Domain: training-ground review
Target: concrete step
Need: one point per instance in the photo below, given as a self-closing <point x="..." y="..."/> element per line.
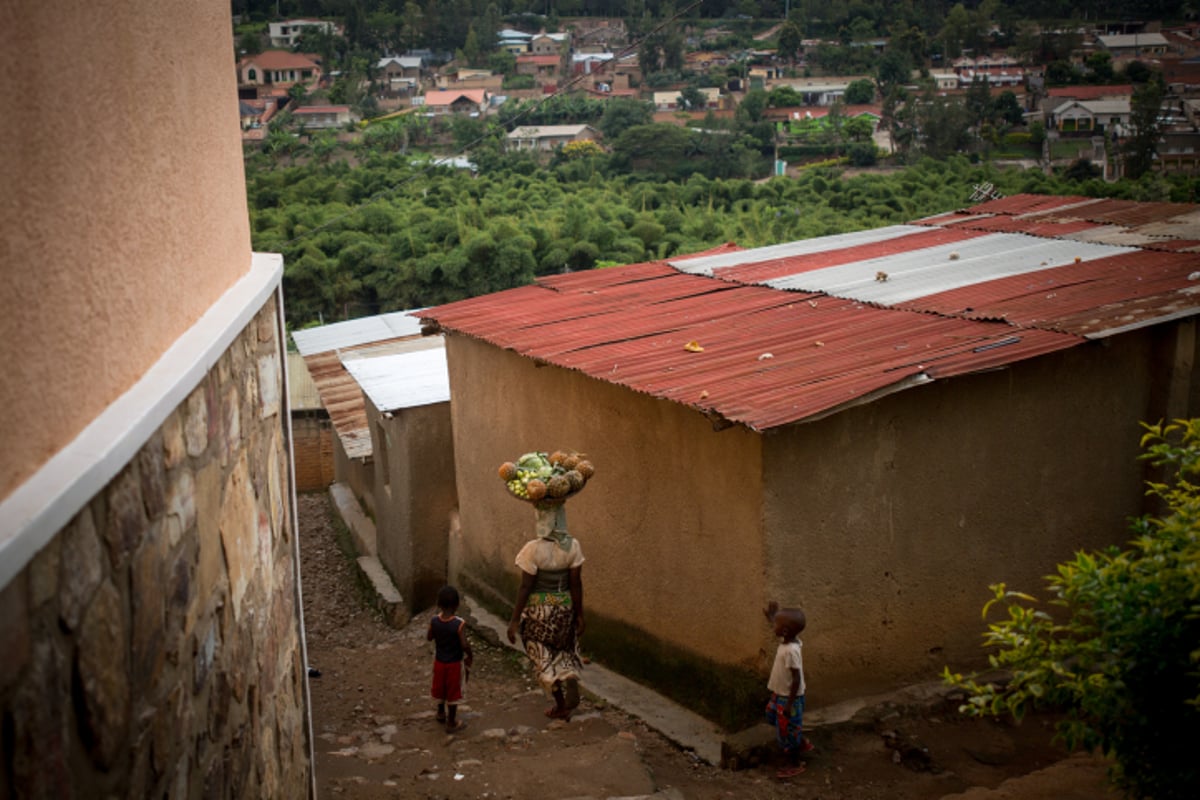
<point x="362" y="529"/>
<point x="385" y="595"/>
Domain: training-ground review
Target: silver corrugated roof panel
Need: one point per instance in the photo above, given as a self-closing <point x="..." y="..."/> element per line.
<point x="353" y="332"/>
<point x="902" y="277"/>
<point x="705" y="265"/>
<point x="403" y="380"/>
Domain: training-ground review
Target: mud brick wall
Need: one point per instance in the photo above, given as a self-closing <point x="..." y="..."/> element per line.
<point x="153" y="647"/>
<point x="312" y="440"/>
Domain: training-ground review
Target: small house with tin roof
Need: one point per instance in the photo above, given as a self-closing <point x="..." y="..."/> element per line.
<point x="386" y="390"/>
<point x="547" y="138"/>
<point x="874" y="426"/>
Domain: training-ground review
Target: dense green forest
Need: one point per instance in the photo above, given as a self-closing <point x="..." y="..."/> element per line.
<point x="389" y="234"/>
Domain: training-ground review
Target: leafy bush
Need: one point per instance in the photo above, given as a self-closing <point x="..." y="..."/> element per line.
<point x="515" y="82"/>
<point x="862" y="154"/>
<point x="1121" y="657"/>
<point x="805" y="150"/>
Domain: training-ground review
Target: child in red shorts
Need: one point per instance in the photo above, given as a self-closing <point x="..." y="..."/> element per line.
<point x="448" y="632"/>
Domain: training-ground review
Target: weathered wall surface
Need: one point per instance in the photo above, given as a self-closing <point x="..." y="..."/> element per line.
<point x="670" y="525"/>
<point x="101" y="270"/>
<point x="887" y="522"/>
<point x="416" y="497"/>
<point x="153" y="648"/>
<point x="357" y="473"/>
<point x="312" y="438"/>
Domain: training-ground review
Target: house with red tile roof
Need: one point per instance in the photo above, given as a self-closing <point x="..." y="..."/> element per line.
<point x="454" y="101"/>
<point x="277" y="68"/>
<point x="543" y="69"/>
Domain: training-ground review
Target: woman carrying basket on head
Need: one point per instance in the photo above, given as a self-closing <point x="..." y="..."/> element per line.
<point x="548" y="613"/>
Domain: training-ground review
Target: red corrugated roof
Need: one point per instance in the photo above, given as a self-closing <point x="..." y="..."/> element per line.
<point x="1088" y="299"/>
<point x="279" y="59"/>
<point x="530" y="58"/>
<point x="768" y="358"/>
<point x="1091" y="92"/>
<point x="844" y="331"/>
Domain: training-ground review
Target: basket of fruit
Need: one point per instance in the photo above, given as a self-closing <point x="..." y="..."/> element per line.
<point x="546" y="479"/>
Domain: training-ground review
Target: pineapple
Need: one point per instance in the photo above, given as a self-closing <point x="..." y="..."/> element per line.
<point x="558" y="486"/>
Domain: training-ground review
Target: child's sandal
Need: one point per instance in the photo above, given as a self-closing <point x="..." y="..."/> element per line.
<point x="790" y="772"/>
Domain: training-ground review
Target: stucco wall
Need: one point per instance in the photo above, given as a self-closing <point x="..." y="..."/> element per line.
<point x="153" y="647"/>
<point x="357" y="473"/>
<point x="670" y="525"/>
<point x="105" y="107"/>
<point x="887" y="522"/>
<point x="413" y="524"/>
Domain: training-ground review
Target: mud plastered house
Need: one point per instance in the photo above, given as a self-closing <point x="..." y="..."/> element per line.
<point x="874" y="426"/>
<point x="149" y="588"/>
<point x="388" y="396"/>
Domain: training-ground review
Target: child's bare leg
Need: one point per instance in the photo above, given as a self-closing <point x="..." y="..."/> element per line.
<point x="452" y="723"/>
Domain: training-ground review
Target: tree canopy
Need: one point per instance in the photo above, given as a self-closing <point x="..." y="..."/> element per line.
<point x="394" y="232"/>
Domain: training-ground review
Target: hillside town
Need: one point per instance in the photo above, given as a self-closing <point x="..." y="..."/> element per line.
<point x="762" y="399"/>
<point x="1079" y="107"/>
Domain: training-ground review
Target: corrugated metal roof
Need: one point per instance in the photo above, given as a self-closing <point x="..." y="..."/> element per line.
<point x="325" y="349"/>
<point x="365" y="330"/>
<point x="797" y="331"/>
<point x="302" y="392"/>
<point x="402" y="380"/>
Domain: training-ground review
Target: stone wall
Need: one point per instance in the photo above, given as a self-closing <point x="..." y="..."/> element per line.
<point x="153" y="647"/>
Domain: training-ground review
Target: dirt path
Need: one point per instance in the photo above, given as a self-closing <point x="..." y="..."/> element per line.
<point x="376" y="736"/>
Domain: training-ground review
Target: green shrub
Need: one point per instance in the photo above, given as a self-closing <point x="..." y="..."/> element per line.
<point x="862" y="154"/>
<point x="513" y="82"/>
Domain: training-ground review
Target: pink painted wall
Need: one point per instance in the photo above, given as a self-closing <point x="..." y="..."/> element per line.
<point x="106" y="256"/>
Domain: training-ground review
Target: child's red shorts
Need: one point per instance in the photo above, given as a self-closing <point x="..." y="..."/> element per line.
<point x="447" y="681"/>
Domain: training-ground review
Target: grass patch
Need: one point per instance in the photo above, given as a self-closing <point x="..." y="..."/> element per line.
<point x="1071" y="148"/>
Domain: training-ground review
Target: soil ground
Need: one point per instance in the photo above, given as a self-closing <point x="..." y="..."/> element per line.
<point x="376" y="737"/>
